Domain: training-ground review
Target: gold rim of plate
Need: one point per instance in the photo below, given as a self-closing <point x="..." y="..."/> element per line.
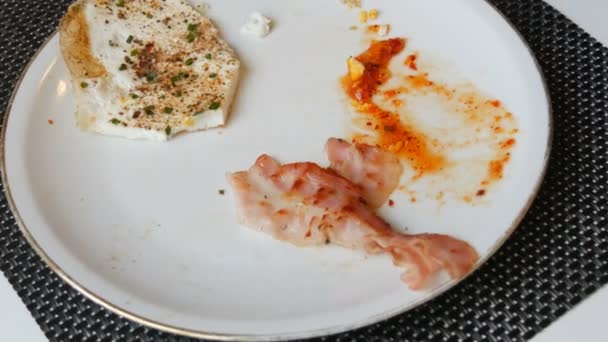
<point x="97" y="298"/>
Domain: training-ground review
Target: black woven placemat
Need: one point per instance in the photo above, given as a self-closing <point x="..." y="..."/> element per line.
<point x="557" y="257"/>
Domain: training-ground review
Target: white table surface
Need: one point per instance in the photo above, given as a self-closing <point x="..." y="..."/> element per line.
<point x="583" y="323"/>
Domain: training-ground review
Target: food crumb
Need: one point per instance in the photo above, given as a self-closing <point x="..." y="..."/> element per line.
<point x="481" y="192"/>
<point x="221" y="192"/>
<point x="362" y="17"/>
<point x="381" y="30"/>
<point x="413" y="199"/>
<point x="353" y="28"/>
<point x="372" y="14"/>
<point x="352" y="3"/>
<point x="410" y="61"/>
<point x="391" y="203"/>
<point x="50" y="121"/>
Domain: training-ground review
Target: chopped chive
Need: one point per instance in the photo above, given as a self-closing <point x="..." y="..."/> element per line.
<point x="115" y="121"/>
<point x="192" y="27"/>
<point x="177" y="78"/>
<point x="208" y="56"/>
<point x="122" y="67"/>
<point x="168" y="110"/>
<point x="149" y="110"/>
<point x="112" y="43"/>
<point x="150" y="16"/>
<point x="84" y="85"/>
<point x="178" y="93"/>
<point x="213" y="75"/>
<point x="168" y="130"/>
<point x="134" y="96"/>
<point x="151" y="76"/>
<point x="130" y="39"/>
<point x="120" y="3"/>
<point x="134" y="52"/>
<point x="162" y="97"/>
<point x="189" y="61"/>
<point x="190" y="37"/>
<point x="214" y="105"/>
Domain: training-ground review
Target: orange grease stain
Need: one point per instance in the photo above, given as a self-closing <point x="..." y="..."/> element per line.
<point x="391" y="133"/>
<point x="394" y="134"/>
<point x="495" y="103"/>
<point x="476" y="108"/>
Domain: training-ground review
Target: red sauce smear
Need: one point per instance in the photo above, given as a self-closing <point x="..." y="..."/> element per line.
<point x="411" y="63"/>
<point x="392" y="134"/>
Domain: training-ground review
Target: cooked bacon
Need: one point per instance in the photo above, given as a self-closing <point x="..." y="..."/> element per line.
<point x="376" y="171"/>
<point x="305" y="205"/>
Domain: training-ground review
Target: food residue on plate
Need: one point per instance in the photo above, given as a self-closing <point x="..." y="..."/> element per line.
<point x="352" y="3"/>
<point x="453" y="138"/>
<point x="381" y="30"/>
<point x="256" y="25"/>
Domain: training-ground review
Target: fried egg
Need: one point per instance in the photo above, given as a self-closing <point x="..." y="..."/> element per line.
<point x="147" y="69"/>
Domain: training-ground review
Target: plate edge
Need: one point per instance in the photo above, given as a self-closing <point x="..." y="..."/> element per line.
<point x="272" y="337"/>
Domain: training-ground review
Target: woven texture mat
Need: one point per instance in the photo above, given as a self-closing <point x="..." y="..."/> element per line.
<point x="557" y="257"/>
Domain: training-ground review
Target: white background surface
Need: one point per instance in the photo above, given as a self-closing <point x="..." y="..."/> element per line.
<point x="584" y="323"/>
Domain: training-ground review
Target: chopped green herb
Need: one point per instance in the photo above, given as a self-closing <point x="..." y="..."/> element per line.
<point x="112" y="44"/>
<point x="178" y="93"/>
<point x="168" y="110"/>
<point x="192" y="27"/>
<point x="134" y="52"/>
<point x="130" y="39"/>
<point x="189" y="61"/>
<point x="213" y="75"/>
<point x="120" y="3"/>
<point x="151" y="76"/>
<point x="134" y="96"/>
<point x="84" y="85"/>
<point x="168" y="130"/>
<point x="122" y="67"/>
<point x="221" y="191"/>
<point x="162" y="97"/>
<point x="150" y="16"/>
<point x="177" y="78"/>
<point x="149" y="110"/>
<point x="190" y="37"/>
<point x="208" y="56"/>
<point x="214" y="105"/>
<point x="115" y="121"/>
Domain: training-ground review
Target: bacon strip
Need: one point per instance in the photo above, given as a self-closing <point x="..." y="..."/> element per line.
<point x="376" y="171"/>
<point x="304" y="204"/>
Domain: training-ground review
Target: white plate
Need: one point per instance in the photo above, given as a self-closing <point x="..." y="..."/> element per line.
<point x="141" y="229"/>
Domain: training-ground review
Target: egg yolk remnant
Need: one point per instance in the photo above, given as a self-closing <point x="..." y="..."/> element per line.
<point x="369" y="71"/>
